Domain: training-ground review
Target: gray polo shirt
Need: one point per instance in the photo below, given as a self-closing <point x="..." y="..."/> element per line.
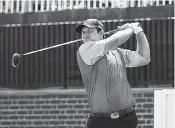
<point x="104" y="76"/>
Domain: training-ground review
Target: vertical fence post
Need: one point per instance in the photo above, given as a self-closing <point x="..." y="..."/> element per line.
<point x="47" y="5"/>
<point x="88" y="4"/>
<point x="52" y="5"/>
<point x="157" y="2"/>
<point x="30" y="6"/>
<point x="100" y="3"/>
<point x="144" y="3"/>
<point x="139" y="3"/>
<point x="94" y="4"/>
<point x="151" y="2"/>
<point x="23" y="6"/>
<point x="42" y="5"/>
<point x="70" y="4"/>
<point x="17" y="6"/>
<point x="12" y="6"/>
<point x="64" y="4"/>
<point x="1" y="6"/>
<point x="6" y="6"/>
<point x="36" y="5"/>
<point x="106" y="4"/>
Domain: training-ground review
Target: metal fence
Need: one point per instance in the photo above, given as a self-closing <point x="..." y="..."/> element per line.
<point x="22" y="6"/>
<point x="58" y="67"/>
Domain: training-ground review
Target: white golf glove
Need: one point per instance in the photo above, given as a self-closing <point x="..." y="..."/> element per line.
<point x="135" y="26"/>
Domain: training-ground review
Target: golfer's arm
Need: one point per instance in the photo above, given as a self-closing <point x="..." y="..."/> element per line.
<point x="117" y="39"/>
<point x="143" y="47"/>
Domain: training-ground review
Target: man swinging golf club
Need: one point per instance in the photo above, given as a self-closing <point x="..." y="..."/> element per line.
<point x="103" y="68"/>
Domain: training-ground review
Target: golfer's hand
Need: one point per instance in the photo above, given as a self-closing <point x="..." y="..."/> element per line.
<point x="123" y="27"/>
<point x="136" y="27"/>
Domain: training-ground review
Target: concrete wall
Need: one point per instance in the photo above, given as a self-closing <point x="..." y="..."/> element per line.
<point x="60" y="108"/>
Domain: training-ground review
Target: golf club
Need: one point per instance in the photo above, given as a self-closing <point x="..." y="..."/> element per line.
<point x="16" y="56"/>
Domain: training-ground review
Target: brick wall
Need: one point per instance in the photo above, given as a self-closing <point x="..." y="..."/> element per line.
<point x="60" y="108"/>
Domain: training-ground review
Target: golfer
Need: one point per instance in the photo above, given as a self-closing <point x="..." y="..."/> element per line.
<point x="103" y="68"/>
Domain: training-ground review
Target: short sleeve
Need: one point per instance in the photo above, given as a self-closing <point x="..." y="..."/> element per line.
<point x="91" y="52"/>
<point x="128" y="56"/>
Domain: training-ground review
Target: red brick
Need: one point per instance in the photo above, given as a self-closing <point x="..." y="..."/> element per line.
<point x="148" y="106"/>
<point x="52" y="122"/>
<point x="22" y="123"/>
<point x="149" y="100"/>
<point x="62" y="106"/>
<point x="140" y="100"/>
<point x="14" y="117"/>
<point x="39" y="102"/>
<point x="14" y="107"/>
<point x="37" y="106"/>
<point x="72" y="101"/>
<point x="22" y="102"/>
<point x="140" y="110"/>
<point x="70" y="122"/>
<point x="5" y="122"/>
<point x="22" y="107"/>
<point x="63" y="96"/>
<point x="79" y="117"/>
<point x="71" y="117"/>
<point x="149" y="110"/>
<point x="5" y="102"/>
<point x="138" y="105"/>
<point x="149" y="126"/>
<point x="46" y="117"/>
<point x="139" y="94"/>
<point x="139" y="126"/>
<point x="80" y="101"/>
<point x="62" y="117"/>
<point x="30" y="97"/>
<point x="33" y="117"/>
<point x="12" y="97"/>
<point x="53" y="106"/>
<point x="71" y="111"/>
<point x="79" y="106"/>
<point x="8" y="112"/>
<point x="38" y="122"/>
<point x="21" y="117"/>
<point x="30" y="107"/>
<point x="55" y="101"/>
<point x="22" y="112"/>
<point x="86" y="111"/>
<point x="148" y="116"/>
<point x="38" y="112"/>
<point x="141" y="121"/>
<point x="46" y="96"/>
<point x="148" y="95"/>
<point x="54" y="112"/>
<point x="3" y="107"/>
<point x="46" y="107"/>
<point x="149" y="121"/>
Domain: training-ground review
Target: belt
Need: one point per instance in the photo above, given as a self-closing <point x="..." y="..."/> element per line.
<point x="114" y="115"/>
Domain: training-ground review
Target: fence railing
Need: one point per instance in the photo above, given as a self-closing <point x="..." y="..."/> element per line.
<point x="22" y="6"/>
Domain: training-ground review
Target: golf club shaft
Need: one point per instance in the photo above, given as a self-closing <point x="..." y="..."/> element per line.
<point x="70" y="42"/>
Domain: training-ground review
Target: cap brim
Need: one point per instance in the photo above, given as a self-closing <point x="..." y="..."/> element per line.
<point x="81" y="26"/>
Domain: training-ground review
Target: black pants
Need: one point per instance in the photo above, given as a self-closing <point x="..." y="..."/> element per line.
<point x="129" y="120"/>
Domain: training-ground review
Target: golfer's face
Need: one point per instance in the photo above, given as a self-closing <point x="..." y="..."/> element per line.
<point x="90" y="33"/>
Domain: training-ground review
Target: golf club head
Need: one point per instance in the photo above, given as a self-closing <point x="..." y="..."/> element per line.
<point x="16" y="60"/>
